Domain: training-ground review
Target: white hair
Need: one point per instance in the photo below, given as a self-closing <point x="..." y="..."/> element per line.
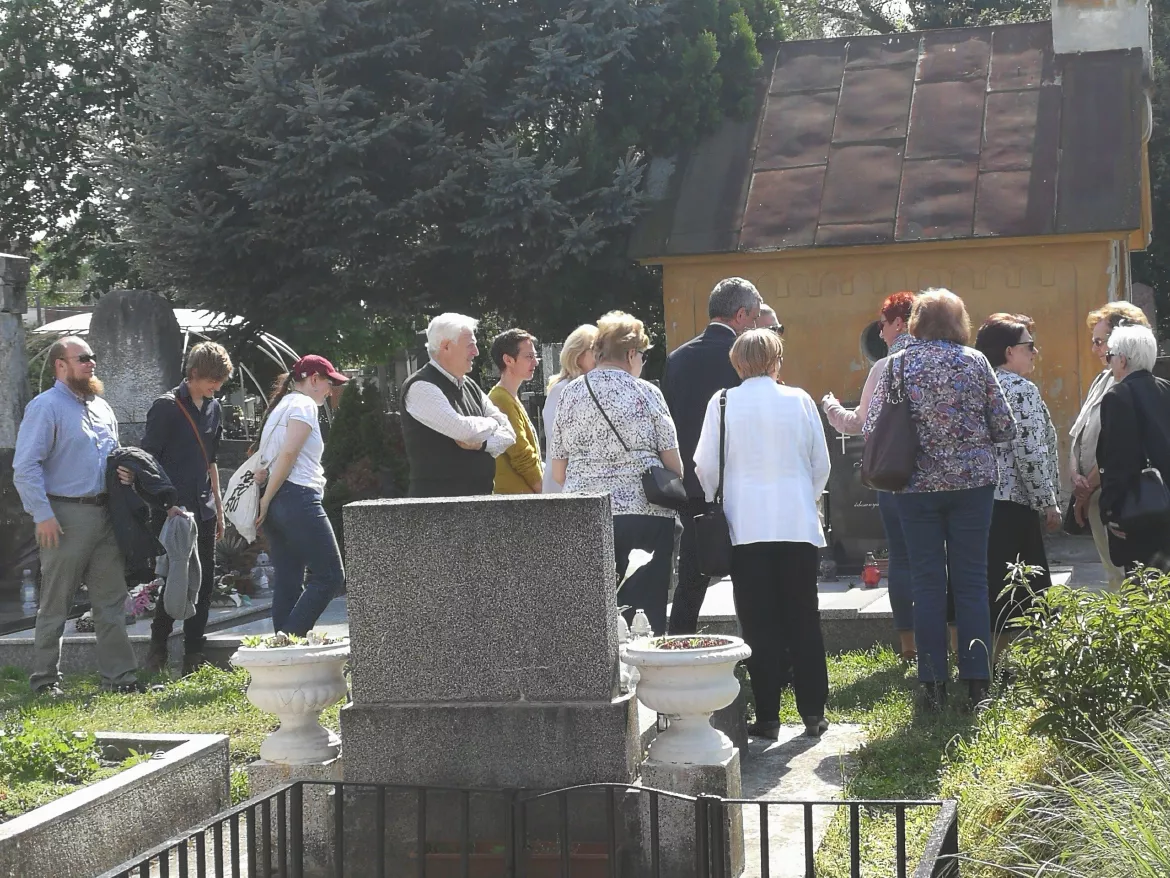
<point x="1137" y="344"/>
<point x="448" y="327"/>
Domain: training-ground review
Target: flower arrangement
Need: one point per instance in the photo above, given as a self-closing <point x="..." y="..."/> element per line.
<point x="280" y="639"/>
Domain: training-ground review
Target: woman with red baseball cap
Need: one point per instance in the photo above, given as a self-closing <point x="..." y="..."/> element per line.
<point x="299" y="534"/>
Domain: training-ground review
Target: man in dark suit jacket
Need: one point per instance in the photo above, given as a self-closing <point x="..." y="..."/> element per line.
<point x="695" y="372"/>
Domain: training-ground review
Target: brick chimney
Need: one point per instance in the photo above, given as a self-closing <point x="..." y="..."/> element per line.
<point x="1101" y="26"/>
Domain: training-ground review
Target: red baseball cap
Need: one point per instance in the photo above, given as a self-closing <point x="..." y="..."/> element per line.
<point x="311" y="364"/>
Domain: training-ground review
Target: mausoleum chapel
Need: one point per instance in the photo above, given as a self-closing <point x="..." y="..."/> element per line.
<point x="1008" y="164"/>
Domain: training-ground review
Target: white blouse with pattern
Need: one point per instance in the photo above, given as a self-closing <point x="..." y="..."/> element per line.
<point x="597" y="461"/>
<point x="1028" y="464"/>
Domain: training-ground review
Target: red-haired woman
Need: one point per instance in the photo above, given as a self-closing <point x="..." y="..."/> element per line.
<point x="893" y="320"/>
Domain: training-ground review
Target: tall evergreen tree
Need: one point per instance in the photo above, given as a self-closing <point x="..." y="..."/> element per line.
<point x="66" y="82"/>
<point x="397" y="155"/>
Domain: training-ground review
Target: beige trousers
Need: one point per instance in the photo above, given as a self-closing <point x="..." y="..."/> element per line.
<point x="88" y="552"/>
<point x="1113" y="574"/>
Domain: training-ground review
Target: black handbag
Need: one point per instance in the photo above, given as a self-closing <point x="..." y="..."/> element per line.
<point x="661" y="486"/>
<point x="712" y="532"/>
<point x="1145" y="505"/>
<point x="1070" y="525"/>
<point x="891" y="449"/>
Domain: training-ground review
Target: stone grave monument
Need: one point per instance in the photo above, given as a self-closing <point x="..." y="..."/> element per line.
<point x="139" y="347"/>
<point x="17" y="547"/>
<point x="483" y="655"/>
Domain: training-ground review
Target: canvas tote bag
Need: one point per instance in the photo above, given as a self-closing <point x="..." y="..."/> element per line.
<point x="891" y="451"/>
<point x="241" y="503"/>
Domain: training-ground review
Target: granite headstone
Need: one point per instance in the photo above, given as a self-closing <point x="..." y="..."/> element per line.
<point x="17" y="548"/>
<point x="139" y="347"/>
<point x="484" y="643"/>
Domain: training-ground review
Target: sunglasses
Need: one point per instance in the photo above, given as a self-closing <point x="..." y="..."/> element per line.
<point x="83" y="358"/>
<point x="1030" y="345"/>
<point x="778" y="328"/>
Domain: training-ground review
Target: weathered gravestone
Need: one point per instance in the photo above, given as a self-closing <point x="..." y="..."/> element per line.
<point x="483" y="655"/>
<point x="139" y="347"/>
<point x="17" y="548"/>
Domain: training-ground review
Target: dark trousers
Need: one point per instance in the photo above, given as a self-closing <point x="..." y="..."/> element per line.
<point x="775" y="587"/>
<point x="691" y="589"/>
<point x="1015" y="534"/>
<point x="647" y="587"/>
<point x="195" y="627"/>
<point x="305" y="557"/>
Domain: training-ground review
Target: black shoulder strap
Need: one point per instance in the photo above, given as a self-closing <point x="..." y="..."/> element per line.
<point x="603" y="414"/>
<point x="722" y="444"/>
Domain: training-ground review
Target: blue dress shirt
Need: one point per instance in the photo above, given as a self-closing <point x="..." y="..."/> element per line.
<point x="62" y="448"/>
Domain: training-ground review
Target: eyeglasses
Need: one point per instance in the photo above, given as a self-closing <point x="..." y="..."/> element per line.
<point x="778" y="328"/>
<point x="1109" y="356"/>
<point x="1031" y="345"/>
<point x="1099" y="342"/>
<point x="83" y="358"/>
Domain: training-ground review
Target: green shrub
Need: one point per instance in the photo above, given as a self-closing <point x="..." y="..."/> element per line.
<point x="1106" y="815"/>
<point x="31" y="752"/>
<point x="1090" y="659"/>
<point x="364" y="456"/>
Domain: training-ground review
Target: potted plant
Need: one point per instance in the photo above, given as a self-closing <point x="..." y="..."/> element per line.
<point x="881" y="557"/>
<point x="296" y="678"/>
<point x="688" y="678"/>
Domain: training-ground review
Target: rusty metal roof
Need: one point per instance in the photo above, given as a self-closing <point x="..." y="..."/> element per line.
<point x="950" y="134"/>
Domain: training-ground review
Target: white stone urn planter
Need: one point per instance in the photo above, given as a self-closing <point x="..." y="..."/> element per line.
<point x="688" y="677"/>
<point x="296" y="683"/>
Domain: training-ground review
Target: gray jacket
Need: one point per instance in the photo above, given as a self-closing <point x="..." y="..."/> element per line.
<point x="179" y="566"/>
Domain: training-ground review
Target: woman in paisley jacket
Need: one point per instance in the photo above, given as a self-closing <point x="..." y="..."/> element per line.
<point x="960" y="415"/>
<point x="1028" y="474"/>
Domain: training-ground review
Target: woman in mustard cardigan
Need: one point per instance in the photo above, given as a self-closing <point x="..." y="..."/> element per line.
<point x="519" y="469"/>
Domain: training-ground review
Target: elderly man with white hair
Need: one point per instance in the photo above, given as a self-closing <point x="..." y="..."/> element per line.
<point x="453" y="432"/>
<point x="1135" y="435"/>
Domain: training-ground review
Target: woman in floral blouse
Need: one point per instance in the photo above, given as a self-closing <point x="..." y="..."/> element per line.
<point x="610" y="427"/>
<point x="959" y="414"/>
<point x="1027" y="485"/>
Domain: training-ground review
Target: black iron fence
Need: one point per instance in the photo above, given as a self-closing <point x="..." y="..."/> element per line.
<point x="349" y="830"/>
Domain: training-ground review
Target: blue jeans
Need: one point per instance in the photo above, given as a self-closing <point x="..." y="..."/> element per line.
<point x="898" y="578"/>
<point x="941" y="526"/>
<point x="300" y="537"/>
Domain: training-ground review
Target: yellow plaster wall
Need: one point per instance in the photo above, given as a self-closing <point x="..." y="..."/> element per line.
<point x="826" y="298"/>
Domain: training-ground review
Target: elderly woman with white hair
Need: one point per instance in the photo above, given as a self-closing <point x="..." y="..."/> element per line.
<point x="1135" y="435"/>
<point x="453" y="432"/>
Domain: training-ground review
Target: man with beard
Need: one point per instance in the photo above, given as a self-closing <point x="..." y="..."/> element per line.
<point x="60" y="473"/>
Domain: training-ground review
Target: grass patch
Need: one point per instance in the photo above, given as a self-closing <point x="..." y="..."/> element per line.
<point x="913" y="755"/>
<point x="209" y="701"/>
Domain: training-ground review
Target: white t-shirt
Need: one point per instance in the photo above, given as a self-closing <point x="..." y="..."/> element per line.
<point x="307" y="470"/>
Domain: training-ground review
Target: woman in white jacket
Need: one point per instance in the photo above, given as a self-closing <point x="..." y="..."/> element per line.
<point x="777" y="465"/>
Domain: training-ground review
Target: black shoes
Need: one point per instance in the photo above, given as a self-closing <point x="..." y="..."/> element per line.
<point x="193" y="661"/>
<point x="156" y="659"/>
<point x="815" y="726"/>
<point x="979" y="693"/>
<point x="932" y="697"/>
<point x="769" y="731"/>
